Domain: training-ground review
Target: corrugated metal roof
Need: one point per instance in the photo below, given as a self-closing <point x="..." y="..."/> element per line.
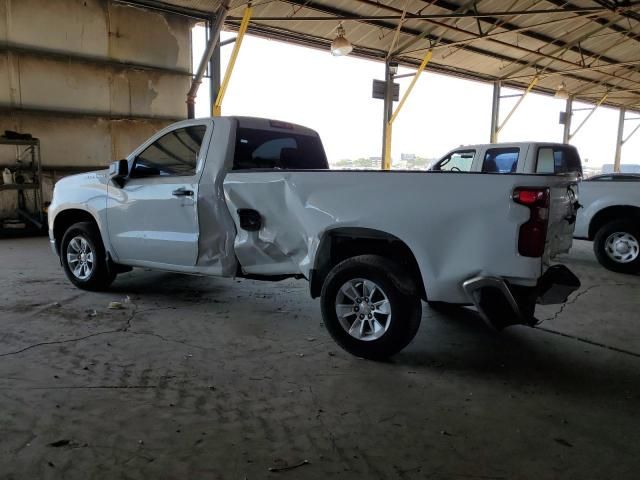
<point x="592" y="46"/>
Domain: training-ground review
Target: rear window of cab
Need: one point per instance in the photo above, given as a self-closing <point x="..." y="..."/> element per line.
<point x="558" y="159"/>
<point x="275" y="149"/>
<point x="501" y="160"/>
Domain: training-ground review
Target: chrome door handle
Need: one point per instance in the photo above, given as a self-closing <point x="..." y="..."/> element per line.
<point x="182" y="192"/>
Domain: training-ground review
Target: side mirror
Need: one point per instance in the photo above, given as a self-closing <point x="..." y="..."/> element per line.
<point x="118" y="171"/>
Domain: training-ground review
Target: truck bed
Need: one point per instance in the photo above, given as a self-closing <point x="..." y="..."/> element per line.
<point x="457" y="225"/>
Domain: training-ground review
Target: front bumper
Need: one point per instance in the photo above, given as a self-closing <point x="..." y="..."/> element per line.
<point x="53" y="244"/>
<point x="501" y="304"/>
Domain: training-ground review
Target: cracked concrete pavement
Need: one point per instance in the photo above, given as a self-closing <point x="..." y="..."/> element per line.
<point x="213" y="378"/>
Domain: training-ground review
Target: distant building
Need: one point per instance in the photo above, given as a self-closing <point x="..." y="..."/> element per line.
<point x="408" y="157"/>
<point x="376" y="162"/>
<point x="624" y="168"/>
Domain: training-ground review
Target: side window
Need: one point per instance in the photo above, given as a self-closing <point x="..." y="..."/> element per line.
<point x="558" y="160"/>
<point x="175" y="153"/>
<point x="460" y="161"/>
<point x="501" y="160"/>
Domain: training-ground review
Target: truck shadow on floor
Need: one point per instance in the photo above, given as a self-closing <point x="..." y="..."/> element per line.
<point x="171" y="286"/>
<point x="460" y="343"/>
<point x="454" y="340"/>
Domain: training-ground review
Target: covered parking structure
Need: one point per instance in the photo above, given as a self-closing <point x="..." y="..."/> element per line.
<point x="584" y="51"/>
<point x="196" y="377"/>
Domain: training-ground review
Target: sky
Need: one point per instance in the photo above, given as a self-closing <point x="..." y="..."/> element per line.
<point x="332" y="95"/>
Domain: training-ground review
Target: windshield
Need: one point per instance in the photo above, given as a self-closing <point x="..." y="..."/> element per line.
<point x="459" y="161"/>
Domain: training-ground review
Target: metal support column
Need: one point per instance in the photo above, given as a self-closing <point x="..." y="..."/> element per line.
<point x="495" y="112"/>
<point x="214" y="33"/>
<point x="619" y="141"/>
<point x="214" y="72"/>
<point x="386" y="159"/>
<point x="568" y="114"/>
<point x="387" y="111"/>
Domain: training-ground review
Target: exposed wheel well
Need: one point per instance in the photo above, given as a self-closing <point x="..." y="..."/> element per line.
<point x="340" y="244"/>
<point x="618" y="212"/>
<point x="65" y="219"/>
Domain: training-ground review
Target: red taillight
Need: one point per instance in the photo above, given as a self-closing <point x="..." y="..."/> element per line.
<point x="528" y="196"/>
<point x="533" y="233"/>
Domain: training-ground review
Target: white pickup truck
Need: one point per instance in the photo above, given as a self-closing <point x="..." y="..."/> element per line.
<point x="610" y="213"/>
<point x="610" y="217"/>
<point x="249" y="197"/>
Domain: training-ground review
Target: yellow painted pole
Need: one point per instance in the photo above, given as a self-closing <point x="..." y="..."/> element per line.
<point x="217" y="107"/>
<point x="386" y="164"/>
<point x="421" y="68"/>
<point x="571" y="135"/>
<point x="515" y="107"/>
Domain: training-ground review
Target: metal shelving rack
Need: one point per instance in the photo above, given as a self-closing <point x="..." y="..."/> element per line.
<point x="33" y="218"/>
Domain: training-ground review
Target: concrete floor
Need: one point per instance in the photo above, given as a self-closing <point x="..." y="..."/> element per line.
<point x="212" y="378"/>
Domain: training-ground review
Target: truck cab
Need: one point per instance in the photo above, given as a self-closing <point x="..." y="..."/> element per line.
<point x="519" y="157"/>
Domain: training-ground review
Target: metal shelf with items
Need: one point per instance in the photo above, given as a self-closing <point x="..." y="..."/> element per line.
<point x="23" y="214"/>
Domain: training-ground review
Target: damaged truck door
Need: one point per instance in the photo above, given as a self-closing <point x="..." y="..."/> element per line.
<point x="153" y="215"/>
<point x="250" y="197"/>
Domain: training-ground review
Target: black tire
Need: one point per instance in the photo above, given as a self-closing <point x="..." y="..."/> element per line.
<point x="601" y="238"/>
<point x="100" y="276"/>
<point x="405" y="308"/>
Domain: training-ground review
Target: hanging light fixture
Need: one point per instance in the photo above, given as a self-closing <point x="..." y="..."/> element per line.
<point x="561" y="92"/>
<point x="341" y="46"/>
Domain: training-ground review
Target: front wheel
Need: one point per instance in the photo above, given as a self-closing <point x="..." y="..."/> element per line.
<point x="617" y="246"/>
<point x="84" y="259"/>
<point x="364" y="309"/>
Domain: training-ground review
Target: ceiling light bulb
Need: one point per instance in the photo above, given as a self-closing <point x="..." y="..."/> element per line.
<point x="562" y="92"/>
<point x="341" y="46"/>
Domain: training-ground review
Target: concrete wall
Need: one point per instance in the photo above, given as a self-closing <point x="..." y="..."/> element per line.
<point x="91" y="78"/>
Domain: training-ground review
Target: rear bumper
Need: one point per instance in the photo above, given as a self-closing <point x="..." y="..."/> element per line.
<point x="501" y="304"/>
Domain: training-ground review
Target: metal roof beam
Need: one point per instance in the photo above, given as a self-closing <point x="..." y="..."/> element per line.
<point x="278" y="32"/>
<point x="565" y="46"/>
<point x="616" y="28"/>
<point x="309" y="4"/>
<point x="324" y="44"/>
<point x="581" y="69"/>
<point x="476" y="37"/>
<point x="338" y="13"/>
<point x="464" y="7"/>
<point x="534" y="35"/>
<point x="167" y="8"/>
<point x="432" y="16"/>
<point x="616" y="6"/>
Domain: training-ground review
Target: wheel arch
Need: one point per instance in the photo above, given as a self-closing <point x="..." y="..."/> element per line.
<point x="614" y="212"/>
<point x="341" y="243"/>
<point x="65" y="218"/>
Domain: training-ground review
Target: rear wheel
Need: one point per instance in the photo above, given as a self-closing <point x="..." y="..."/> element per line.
<point x="617" y="246"/>
<point x="364" y="309"/>
<point x="84" y="259"/>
